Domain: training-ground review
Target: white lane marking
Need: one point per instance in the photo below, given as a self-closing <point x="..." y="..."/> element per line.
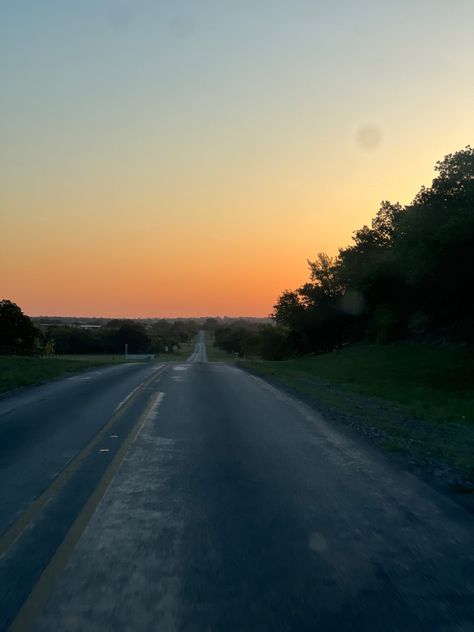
<point x="154" y="409"/>
<point x="114" y="436"/>
<point x="152" y="413"/>
<point x="125" y="399"/>
<point x="104" y="450"/>
<point x="156" y="368"/>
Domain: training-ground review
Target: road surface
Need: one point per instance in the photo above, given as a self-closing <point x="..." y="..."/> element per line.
<point x="232" y="506"/>
<point x="199" y="354"/>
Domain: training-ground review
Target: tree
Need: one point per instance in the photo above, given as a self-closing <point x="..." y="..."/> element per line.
<point x="16" y="329"/>
<point x="133" y="335"/>
<point x="436" y="247"/>
<point x="289" y="309"/>
<point x="371" y="270"/>
<point x="325" y="280"/>
<point x="210" y="324"/>
<point x="274" y="344"/>
<point x="312" y="313"/>
<point x="72" y="340"/>
<point x="410" y="273"/>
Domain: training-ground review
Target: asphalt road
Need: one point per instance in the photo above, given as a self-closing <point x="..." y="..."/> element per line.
<point x="237" y="507"/>
<point x="45" y="430"/>
<point x="199" y="354"/>
<point x="42" y="428"/>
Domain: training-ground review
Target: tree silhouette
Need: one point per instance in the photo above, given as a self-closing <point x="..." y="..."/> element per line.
<point x="16" y="329"/>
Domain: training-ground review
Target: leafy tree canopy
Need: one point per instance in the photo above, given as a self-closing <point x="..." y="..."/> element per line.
<point x="16" y="329"/>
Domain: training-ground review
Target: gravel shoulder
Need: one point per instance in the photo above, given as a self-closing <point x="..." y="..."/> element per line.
<point x="434" y="450"/>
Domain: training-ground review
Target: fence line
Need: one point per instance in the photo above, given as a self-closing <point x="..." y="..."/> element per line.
<point x="7" y="350"/>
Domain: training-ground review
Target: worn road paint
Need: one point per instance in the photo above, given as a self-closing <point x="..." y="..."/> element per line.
<point x="27" y="615"/>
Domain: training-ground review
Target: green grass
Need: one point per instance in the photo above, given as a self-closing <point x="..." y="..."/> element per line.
<point x="180" y="355"/>
<point x="100" y="358"/>
<point x="17" y="371"/>
<point x="430" y="391"/>
<point x="21" y="371"/>
<point x="432" y="382"/>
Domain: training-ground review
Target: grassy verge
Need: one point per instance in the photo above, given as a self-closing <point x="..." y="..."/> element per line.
<point x="425" y="397"/>
<point x="97" y="357"/>
<point x="180" y="355"/>
<point x="22" y="371"/>
<point x="16" y="371"/>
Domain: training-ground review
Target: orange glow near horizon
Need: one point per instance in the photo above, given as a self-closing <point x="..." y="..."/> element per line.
<point x="194" y="175"/>
<point x="211" y="263"/>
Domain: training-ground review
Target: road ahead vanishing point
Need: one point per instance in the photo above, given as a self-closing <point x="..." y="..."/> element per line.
<point x="195" y="496"/>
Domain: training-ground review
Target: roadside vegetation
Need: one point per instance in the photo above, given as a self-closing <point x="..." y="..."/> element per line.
<point x="19" y="336"/>
<point x="16" y="371"/>
<point x="429" y="381"/>
<point x="162" y="336"/>
<point x="411" y="399"/>
<point x="215" y="353"/>
<point x="27" y="371"/>
<point x="409" y="276"/>
<point x="180" y="354"/>
<point x="390" y="317"/>
<point x="30" y="355"/>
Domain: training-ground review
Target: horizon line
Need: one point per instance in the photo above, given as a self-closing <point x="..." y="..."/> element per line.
<point x="147" y="317"/>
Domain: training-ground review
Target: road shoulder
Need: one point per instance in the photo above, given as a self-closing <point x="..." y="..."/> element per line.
<point x="409" y="442"/>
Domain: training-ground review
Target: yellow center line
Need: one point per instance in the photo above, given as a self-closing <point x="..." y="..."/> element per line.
<point x="10" y="536"/>
<point x="35" y="602"/>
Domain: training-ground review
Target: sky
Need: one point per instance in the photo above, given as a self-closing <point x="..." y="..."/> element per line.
<point x="186" y="158"/>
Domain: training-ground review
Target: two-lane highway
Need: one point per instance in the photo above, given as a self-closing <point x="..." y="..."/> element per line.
<point x="199" y="354"/>
<point x="239" y="508"/>
<point x="56" y="442"/>
<point x="43" y="428"/>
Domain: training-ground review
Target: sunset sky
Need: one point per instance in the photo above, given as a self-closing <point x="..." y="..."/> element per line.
<point x="173" y="158"/>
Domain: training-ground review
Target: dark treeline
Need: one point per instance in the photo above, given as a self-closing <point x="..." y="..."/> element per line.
<point x="243" y="338"/>
<point x="111" y="338"/>
<point x="18" y="334"/>
<point x="16" y="330"/>
<point x="409" y="275"/>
